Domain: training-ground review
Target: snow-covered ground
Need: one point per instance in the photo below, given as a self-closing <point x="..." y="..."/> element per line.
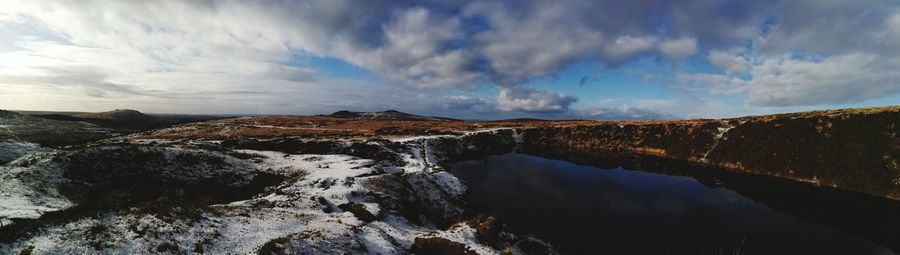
<point x="12" y="150"/>
<point x="28" y="188"/>
<point x="326" y="204"/>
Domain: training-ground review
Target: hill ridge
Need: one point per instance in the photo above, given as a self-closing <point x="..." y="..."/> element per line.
<point x="384" y="115"/>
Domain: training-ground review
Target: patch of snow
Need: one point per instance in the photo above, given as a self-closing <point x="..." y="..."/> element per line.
<point x="518" y="137"/>
<point x="415" y="161"/>
<point x="330" y="176"/>
<point x="419" y="138"/>
<point x="9" y="131"/>
<point x="487" y="130"/>
<point x="27" y="191"/>
<point x="29" y="186"/>
<point x="465" y="234"/>
<point x="720" y="134"/>
<point x="10" y="151"/>
<point x="450" y="183"/>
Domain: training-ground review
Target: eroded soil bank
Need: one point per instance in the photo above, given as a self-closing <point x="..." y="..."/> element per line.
<point x="855" y="150"/>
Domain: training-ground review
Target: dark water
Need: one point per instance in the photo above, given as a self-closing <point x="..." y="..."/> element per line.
<point x="588" y="210"/>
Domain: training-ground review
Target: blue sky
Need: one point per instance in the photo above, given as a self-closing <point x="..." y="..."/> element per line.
<point x="651" y="59"/>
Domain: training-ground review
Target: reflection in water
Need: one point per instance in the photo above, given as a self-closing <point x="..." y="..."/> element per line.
<point x="586" y="210"/>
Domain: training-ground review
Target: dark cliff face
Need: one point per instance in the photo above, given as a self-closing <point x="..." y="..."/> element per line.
<point x="854" y="150"/>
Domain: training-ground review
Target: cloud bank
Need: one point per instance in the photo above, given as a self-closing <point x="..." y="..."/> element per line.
<point x="768" y="53"/>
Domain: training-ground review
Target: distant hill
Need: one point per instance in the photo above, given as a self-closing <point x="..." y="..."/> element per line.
<point x="385" y="115"/>
<point x="8" y="114"/>
<point x="64" y="128"/>
<point x="124" y="118"/>
<point x="56" y="116"/>
<point x="122" y="115"/>
<point x="17" y="127"/>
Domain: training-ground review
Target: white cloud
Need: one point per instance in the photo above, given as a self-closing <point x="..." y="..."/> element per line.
<point x="817" y="53"/>
<point x="785" y="81"/>
<point x="467" y="103"/>
<point x="679" y="48"/>
<point x="718" y="83"/>
<point x="790" y="81"/>
<point x="626" y="46"/>
<point x="829" y="27"/>
<point x="729" y="62"/>
<point x="892" y="27"/>
<point x="533" y="101"/>
<point x="541" y="42"/>
<point x="417" y="50"/>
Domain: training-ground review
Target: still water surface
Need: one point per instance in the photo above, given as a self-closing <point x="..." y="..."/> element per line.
<point x="588" y="210"/>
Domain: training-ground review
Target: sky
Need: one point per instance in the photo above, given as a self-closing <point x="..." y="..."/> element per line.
<point x="568" y="59"/>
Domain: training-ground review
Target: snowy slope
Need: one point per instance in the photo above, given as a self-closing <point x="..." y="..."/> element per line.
<point x="322" y="204"/>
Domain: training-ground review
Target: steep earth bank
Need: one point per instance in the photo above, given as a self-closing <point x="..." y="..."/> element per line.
<point x="855" y="149"/>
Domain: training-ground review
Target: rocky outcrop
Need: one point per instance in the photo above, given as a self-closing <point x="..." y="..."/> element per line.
<point x="855" y="149"/>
